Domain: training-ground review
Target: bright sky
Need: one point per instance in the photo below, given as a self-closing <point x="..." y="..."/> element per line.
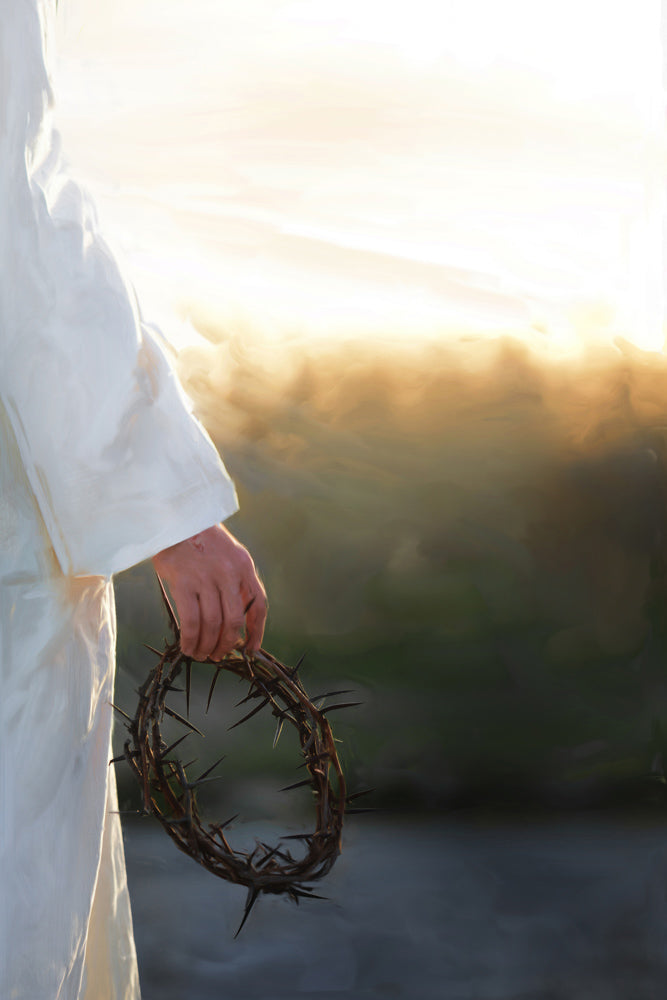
<point x="375" y="168"/>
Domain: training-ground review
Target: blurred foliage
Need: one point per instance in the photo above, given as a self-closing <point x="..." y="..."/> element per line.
<point x="471" y="537"/>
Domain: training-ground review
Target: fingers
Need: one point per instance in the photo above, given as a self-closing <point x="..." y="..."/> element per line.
<point x="210" y="622"/>
<point x="256" y="621"/>
<point x="187" y="606"/>
<point x="233" y="622"/>
<point x="217" y="593"/>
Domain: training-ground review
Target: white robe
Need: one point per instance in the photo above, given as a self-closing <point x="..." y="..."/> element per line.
<point x="101" y="466"/>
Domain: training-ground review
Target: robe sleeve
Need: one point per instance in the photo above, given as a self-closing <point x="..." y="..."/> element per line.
<point x="119" y="466"/>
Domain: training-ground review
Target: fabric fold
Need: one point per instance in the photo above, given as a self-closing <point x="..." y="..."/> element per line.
<point x="119" y="466"/>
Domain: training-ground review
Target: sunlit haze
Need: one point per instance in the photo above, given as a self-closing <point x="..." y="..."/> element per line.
<point x="412" y="254"/>
<point x="421" y="170"/>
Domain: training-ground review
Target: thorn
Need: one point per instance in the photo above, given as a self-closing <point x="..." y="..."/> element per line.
<point x="357" y="795"/>
<point x="255" y="710"/>
<point x="120" y="710"/>
<point x="253" y="692"/>
<point x="305" y="893"/>
<point x="179" y="718"/>
<point x="267" y="857"/>
<point x="157" y="652"/>
<point x="314" y="758"/>
<point x="117" y="760"/>
<point x="188" y="678"/>
<point x="344" y="704"/>
<point x="249" y="667"/>
<point x="172" y="687"/>
<point x="294" y="671"/>
<point x="268" y="686"/>
<point x="330" y="694"/>
<point x="253" y="893"/>
<point x="170" y="611"/>
<point x="219" y="827"/>
<point x="285" y="713"/>
<point x="356" y="812"/>
<point x="173" y="745"/>
<point x="298" y="836"/>
<point x="203" y="781"/>
<point x="211" y="768"/>
<point x="218" y="671"/>
<point x="297" y="784"/>
<point x="279" y="729"/>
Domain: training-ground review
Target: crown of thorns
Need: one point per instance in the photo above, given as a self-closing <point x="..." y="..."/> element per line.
<point x="170" y="795"/>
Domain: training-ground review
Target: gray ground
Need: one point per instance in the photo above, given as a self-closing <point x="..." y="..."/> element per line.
<point x="565" y="910"/>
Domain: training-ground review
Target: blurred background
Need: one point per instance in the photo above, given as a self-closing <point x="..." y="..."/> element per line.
<point x="410" y="264"/>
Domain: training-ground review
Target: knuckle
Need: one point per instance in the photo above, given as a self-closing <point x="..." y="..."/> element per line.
<point x="258" y="601"/>
<point x="244" y="556"/>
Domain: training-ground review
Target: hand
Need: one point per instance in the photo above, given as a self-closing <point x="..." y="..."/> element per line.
<point x="217" y="593"/>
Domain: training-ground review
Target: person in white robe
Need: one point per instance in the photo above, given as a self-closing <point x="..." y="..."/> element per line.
<point x="102" y="465"/>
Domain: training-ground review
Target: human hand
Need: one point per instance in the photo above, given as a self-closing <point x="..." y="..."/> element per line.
<point x="217" y="593"/>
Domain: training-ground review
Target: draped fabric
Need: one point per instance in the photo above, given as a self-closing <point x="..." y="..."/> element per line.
<point x="101" y="465"/>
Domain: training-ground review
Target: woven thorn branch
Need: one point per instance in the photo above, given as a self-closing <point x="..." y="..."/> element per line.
<point x="170" y="795"/>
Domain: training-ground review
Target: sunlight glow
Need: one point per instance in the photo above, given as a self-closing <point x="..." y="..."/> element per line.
<point x="376" y="170"/>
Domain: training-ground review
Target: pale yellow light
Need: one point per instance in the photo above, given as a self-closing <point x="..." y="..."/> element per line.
<point x="366" y="167"/>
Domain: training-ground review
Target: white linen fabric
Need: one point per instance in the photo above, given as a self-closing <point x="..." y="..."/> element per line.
<point x="101" y="465"/>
